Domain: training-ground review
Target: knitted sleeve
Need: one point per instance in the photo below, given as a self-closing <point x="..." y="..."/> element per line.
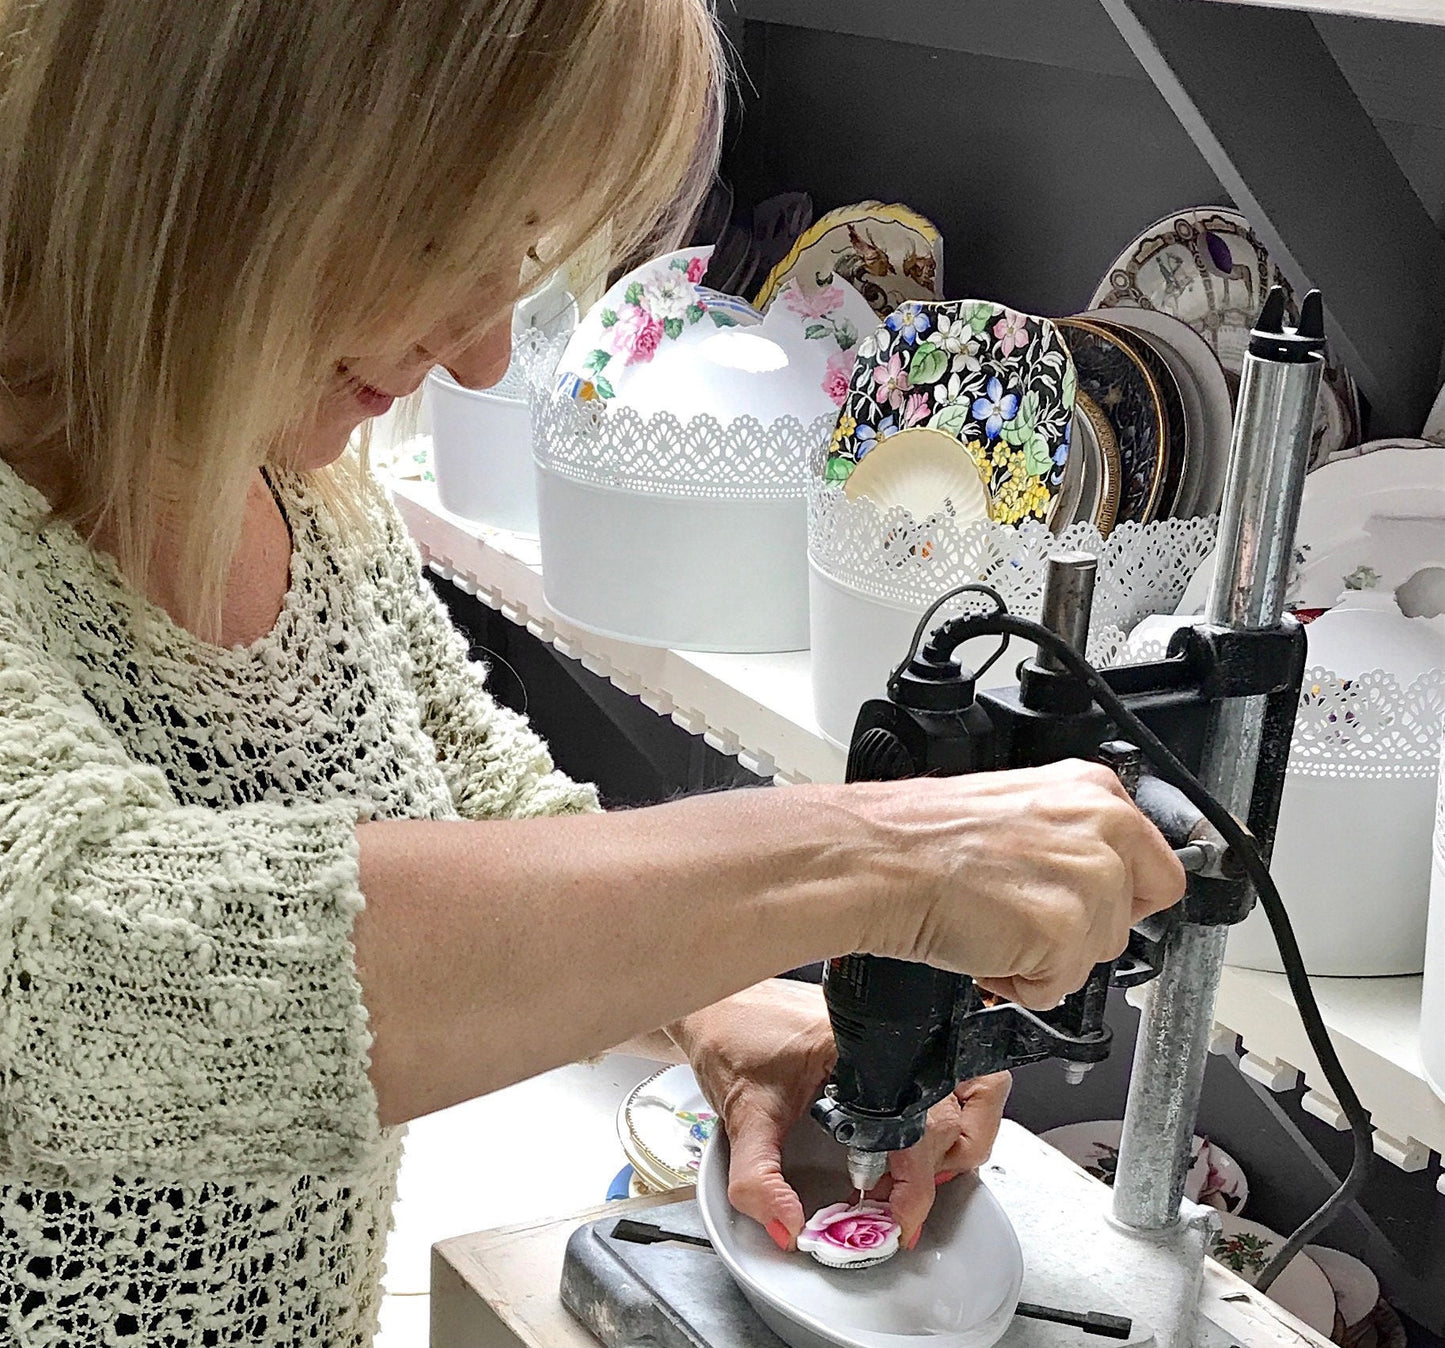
<point x="178" y="993"/>
<point x="496" y="766"/>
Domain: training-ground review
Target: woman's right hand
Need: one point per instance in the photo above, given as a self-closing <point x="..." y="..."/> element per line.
<point x="1024" y="879"/>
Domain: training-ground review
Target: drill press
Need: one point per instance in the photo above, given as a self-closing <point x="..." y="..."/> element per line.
<point x="1223" y="701"/>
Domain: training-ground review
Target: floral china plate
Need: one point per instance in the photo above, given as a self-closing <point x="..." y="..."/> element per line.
<point x="890" y="254"/>
<point x="1372" y="521"/>
<point x="1246" y="1248"/>
<point x="1114" y="376"/>
<point x="1214" y="1177"/>
<point x="998" y="383"/>
<point x="664" y="1124"/>
<point x="659" y="341"/>
<point x="1207" y="267"/>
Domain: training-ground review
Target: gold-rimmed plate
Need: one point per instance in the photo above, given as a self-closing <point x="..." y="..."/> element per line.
<point x="1098" y="451"/>
<point x="1205" y="266"/>
<point x="1113" y="376"/>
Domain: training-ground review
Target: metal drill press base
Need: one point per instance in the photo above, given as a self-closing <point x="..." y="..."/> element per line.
<point x="1075" y="1257"/>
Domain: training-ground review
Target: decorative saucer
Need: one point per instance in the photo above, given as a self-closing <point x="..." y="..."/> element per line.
<point x="1214" y="1177"/>
<point x="664" y="1124"/>
<point x="1098" y="448"/>
<point x="998" y="382"/>
<point x="1302" y="1289"/>
<point x="1120" y="383"/>
<point x="1206" y="266"/>
<point x="891" y="254"/>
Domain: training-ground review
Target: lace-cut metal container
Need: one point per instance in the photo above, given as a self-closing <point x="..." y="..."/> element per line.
<point x="686" y="534"/>
<point x="1432" y="1008"/>
<point x="482" y="438"/>
<point x="1352" y="852"/>
<point x="873" y="573"/>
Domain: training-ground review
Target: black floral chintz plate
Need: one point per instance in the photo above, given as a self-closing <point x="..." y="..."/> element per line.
<point x="1117" y="380"/>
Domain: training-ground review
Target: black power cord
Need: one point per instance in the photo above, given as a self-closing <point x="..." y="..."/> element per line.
<point x="1004" y="624"/>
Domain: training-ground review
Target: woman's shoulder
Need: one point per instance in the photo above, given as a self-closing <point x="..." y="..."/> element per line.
<point x="344" y="512"/>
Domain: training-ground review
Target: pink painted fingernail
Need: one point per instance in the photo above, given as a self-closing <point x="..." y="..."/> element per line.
<point x="780" y="1235"/>
<point x="944" y="1176"/>
<point x="917" y="1236"/>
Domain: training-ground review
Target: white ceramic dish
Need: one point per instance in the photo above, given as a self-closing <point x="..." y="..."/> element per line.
<point x="1302" y="1289"/>
<point x="1214" y="1178"/>
<point x="1374" y="521"/>
<point x="1357" y="1290"/>
<point x="957" y="1289"/>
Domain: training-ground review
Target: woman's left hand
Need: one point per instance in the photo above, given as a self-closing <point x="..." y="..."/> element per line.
<point x="763" y="1056"/>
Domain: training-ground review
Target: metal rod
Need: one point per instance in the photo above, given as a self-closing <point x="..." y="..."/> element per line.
<point x="1068" y="602"/>
<point x="1269" y="455"/>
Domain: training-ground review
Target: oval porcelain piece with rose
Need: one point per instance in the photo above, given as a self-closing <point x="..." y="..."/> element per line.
<point x="848" y="1235"/>
<point x="659" y="341"/>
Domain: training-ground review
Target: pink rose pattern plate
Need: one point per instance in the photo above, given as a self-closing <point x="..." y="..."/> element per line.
<point x="999" y="382"/>
<point x="662" y="300"/>
<point x="848" y="1235"/>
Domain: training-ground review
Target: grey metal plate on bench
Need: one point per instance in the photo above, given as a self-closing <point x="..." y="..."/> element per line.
<point x="664" y="1296"/>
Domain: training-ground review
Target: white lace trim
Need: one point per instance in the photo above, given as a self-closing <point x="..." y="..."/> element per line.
<point x="663" y="455"/>
<point x="1367" y="726"/>
<point x="889" y="555"/>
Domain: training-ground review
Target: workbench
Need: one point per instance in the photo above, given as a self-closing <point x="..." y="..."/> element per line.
<point x="499" y="1288"/>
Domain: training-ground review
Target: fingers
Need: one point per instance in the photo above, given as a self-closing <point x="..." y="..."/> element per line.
<point x="982" y="1100"/>
<point x="756" y="1186"/>
<point x="911" y="1174"/>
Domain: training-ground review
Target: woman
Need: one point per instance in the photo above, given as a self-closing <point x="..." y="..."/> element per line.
<point x="276" y="874"/>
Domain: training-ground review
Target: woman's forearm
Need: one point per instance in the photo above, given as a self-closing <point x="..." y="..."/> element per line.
<point x="491" y="951"/>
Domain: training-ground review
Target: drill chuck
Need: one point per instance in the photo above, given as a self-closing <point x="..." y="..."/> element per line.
<point x="866" y="1168"/>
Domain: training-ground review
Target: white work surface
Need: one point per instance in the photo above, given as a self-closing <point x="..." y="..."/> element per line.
<point x="760" y="708"/>
<point x="499" y="1288"/>
<point x="532" y="1152"/>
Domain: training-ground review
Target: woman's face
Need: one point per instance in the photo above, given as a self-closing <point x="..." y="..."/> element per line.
<point x="366" y="385"/>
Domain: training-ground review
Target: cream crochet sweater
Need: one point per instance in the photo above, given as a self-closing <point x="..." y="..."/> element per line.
<point x="189" y="1151"/>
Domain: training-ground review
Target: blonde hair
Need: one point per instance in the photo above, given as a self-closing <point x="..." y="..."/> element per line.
<point x="203" y="206"/>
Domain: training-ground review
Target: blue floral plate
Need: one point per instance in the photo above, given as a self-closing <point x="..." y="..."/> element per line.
<point x="1112" y="374"/>
<point x="999" y="382"/>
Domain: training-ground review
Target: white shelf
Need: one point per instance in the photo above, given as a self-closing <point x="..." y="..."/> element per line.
<point x="757" y="707"/>
<point x="760" y="707"/>
<point x="1375" y="1025"/>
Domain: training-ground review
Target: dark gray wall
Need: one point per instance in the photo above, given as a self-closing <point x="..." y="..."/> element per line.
<point x="1025" y="128"/>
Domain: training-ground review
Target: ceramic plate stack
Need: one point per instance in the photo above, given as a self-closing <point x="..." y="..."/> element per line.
<point x="672" y="459"/>
<point x="1206" y="267"/>
<point x="663" y="1125"/>
<point x="1192" y="387"/>
<point x="960" y="440"/>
